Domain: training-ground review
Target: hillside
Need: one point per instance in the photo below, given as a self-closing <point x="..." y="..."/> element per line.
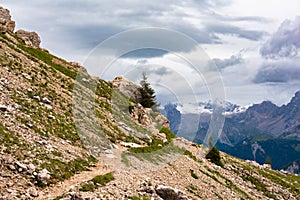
<point x="67" y="135"/>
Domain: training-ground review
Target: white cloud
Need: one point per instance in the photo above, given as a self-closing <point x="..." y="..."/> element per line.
<point x="284" y="42"/>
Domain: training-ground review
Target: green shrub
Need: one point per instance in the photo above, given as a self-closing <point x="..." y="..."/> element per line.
<point x="103" y="179"/>
<point x="193" y="174"/>
<point x="169" y="134"/>
<point x="88" y="187"/>
<point x="214" y="154"/>
<point x="94" y="183"/>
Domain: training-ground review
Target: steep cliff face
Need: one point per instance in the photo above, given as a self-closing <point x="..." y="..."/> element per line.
<point x="51" y="148"/>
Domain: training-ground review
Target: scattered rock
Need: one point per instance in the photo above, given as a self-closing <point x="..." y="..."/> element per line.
<point x="27" y="76"/>
<point x="31" y="167"/>
<point x="32" y="192"/>
<point x="51" y="117"/>
<point x="11" y="167"/>
<point x="130" y="144"/>
<point x="38" y="98"/>
<point x="20" y="165"/>
<point x="3" y="108"/>
<point x="46" y="100"/>
<point x="43" y="176"/>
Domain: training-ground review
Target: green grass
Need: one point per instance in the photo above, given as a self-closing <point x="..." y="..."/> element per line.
<point x="258" y="185"/>
<point x="229" y="183"/>
<point x="139" y="198"/>
<point x="156" y="144"/>
<point x="60" y="170"/>
<point x="103" y="179"/>
<point x="155" y="154"/>
<point x="289" y="182"/>
<point x="169" y="134"/>
<point x="7" y="137"/>
<point x="193" y="190"/>
<point x="48" y="59"/>
<point x="94" y="183"/>
<point x="193" y="174"/>
<point x="190" y="155"/>
<point x="88" y="187"/>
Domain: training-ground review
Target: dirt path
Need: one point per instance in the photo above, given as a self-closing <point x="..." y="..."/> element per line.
<point x="63" y="187"/>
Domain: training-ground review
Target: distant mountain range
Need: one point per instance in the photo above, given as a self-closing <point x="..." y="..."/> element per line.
<point x="254" y="132"/>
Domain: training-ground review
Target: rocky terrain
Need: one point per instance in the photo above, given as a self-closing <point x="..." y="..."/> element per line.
<point x="67" y="135"/>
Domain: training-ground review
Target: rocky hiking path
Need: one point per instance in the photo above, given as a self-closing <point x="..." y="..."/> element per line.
<point x="63" y="187"/>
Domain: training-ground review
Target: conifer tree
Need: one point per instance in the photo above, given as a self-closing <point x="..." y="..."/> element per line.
<point x="147" y="93"/>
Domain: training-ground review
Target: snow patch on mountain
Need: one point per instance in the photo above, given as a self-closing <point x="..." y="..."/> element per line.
<point x="207" y="107"/>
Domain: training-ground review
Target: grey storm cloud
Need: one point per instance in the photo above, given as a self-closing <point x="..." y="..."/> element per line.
<point x="233" y="60"/>
<point x="77" y="26"/>
<point x="285" y="42"/>
<point x="278" y="71"/>
<point x="227" y="29"/>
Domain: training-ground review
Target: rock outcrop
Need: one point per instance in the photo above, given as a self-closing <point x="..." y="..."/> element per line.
<point x="30" y="38"/>
<point x="140" y="114"/>
<point x="6" y="24"/>
<point x="128" y="88"/>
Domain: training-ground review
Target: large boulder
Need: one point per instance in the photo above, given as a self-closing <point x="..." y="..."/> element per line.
<point x="30" y="38"/>
<point x="169" y="193"/>
<point x="6" y="24"/>
<point x="128" y="88"/>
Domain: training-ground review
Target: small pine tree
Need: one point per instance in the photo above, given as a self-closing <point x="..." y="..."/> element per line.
<point x="214" y="154"/>
<point x="147" y="93"/>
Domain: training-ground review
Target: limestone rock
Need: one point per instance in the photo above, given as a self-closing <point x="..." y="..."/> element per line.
<point x="3" y="108"/>
<point x="79" y="66"/>
<point x="43" y="176"/>
<point x="6" y="24"/>
<point x="140" y="114"/>
<point x="30" y="38"/>
<point x="167" y="192"/>
<point x="162" y="120"/>
<point x="32" y="192"/>
<point x="128" y="88"/>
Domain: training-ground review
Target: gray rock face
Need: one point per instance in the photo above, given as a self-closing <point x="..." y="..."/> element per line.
<point x="6" y="24"/>
<point x="30" y="38"/>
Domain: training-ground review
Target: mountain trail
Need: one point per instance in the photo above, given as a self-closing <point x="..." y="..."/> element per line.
<point x="62" y="187"/>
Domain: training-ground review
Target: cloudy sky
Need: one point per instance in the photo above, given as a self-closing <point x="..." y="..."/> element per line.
<point x="253" y="44"/>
